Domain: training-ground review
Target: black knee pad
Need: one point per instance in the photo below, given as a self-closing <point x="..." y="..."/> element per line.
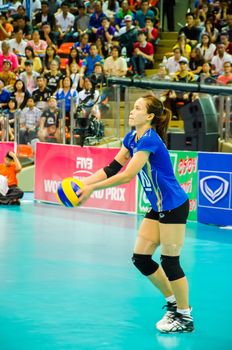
<point x="145" y="264"/>
<point x="172" y="268"/>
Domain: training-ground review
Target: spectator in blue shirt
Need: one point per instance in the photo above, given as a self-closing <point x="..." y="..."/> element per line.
<point x="95" y="20"/>
<point x="143" y="13"/>
<point x="66" y="93"/>
<point x="106" y="31"/>
<point x="88" y="64"/>
<point x="4" y="95"/>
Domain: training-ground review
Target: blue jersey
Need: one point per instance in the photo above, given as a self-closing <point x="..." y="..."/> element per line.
<point x="157" y="176"/>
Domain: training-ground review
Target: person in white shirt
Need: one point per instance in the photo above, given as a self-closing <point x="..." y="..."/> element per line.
<point x="172" y="63"/>
<point x="115" y="65"/>
<point x="65" y="22"/>
<point x="35" y="5"/>
<point x="18" y="45"/>
<point x="29" y="77"/>
<point x="219" y="59"/>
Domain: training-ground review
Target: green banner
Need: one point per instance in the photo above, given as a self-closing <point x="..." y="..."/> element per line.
<point x="185" y="169"/>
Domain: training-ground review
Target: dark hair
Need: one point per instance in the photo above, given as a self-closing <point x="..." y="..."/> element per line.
<point x="115" y="47"/>
<point x="9" y="156"/>
<point x="161" y="115"/>
<point x="23" y="88"/>
<point x="76" y="59"/>
<point x="30" y="48"/>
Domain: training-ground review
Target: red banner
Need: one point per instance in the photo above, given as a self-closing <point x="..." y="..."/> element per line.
<point x="55" y="162"/>
<point x="4" y="148"/>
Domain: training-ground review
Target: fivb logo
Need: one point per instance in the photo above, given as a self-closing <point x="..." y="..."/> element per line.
<point x="214" y="188"/>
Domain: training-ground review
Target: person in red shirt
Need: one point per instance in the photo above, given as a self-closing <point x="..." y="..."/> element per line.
<point x="9" y="169"/>
<point x="143" y="55"/>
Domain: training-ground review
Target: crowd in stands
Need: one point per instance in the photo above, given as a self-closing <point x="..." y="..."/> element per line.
<point x="102" y="38"/>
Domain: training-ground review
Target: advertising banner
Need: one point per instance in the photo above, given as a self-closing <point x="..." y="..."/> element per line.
<point x="55" y="162"/>
<point x="215" y="188"/>
<point x="4" y="148"/>
<point x="185" y="169"/>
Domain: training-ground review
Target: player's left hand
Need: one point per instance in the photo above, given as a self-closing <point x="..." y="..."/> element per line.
<point x="84" y="194"/>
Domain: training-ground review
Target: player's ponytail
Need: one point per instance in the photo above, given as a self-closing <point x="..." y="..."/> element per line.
<point x="161" y="115"/>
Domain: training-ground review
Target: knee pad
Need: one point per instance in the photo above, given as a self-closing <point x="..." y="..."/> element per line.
<point x="172" y="268"/>
<point x="145" y="264"/>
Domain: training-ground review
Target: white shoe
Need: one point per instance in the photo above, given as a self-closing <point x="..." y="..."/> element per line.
<point x="180" y="324"/>
<point x="169" y="314"/>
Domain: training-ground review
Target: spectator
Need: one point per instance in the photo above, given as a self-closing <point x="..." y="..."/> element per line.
<point x="42" y="94"/>
<point x="74" y="75"/>
<point x="30" y="56"/>
<point x="54" y="77"/>
<point x="162" y="73"/>
<point x="142" y="13"/>
<point x="6" y="29"/>
<point x="10" y="168"/>
<point x="81" y="24"/>
<point x="4" y="95"/>
<point x="98" y="75"/>
<point x="121" y="15"/>
<point x="7" y="55"/>
<point x="20" y="94"/>
<point x="35" y="5"/>
<point x="91" y="59"/>
<point x="44" y="16"/>
<point x="152" y="32"/>
<point x="10" y="114"/>
<point x="224" y="39"/>
<point x="17" y="44"/>
<point x="228" y="27"/>
<point x="219" y="59"/>
<point x="29" y="77"/>
<point x="73" y="58"/>
<point x="185" y="49"/>
<point x="110" y="8"/>
<point x="39" y="46"/>
<point x="168" y="10"/>
<point x="95" y="19"/>
<point x="115" y="65"/>
<point x="206" y="47"/>
<point x="67" y="94"/>
<point x="172" y="64"/>
<point x="143" y="57"/>
<point x="191" y="32"/>
<point x="7" y="76"/>
<point x="206" y="75"/>
<point x="51" y="121"/>
<point x="24" y="26"/>
<point x="106" y="32"/>
<point x="89" y="97"/>
<point x="29" y="122"/>
<point x="196" y="61"/>
<point x="102" y="49"/>
<point x="82" y="46"/>
<point x="184" y="75"/>
<point x="64" y="22"/>
<point x="211" y="30"/>
<point x="226" y="77"/>
<point x="47" y="35"/>
<point x="50" y="55"/>
<point x="128" y="36"/>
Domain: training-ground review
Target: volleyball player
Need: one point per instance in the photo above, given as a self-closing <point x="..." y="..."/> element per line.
<point x="164" y="224"/>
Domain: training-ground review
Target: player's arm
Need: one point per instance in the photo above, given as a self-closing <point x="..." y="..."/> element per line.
<point x="134" y="166"/>
<point x="113" y="168"/>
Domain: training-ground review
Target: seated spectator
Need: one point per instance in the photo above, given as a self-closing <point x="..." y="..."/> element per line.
<point x="184" y="75"/>
<point x="115" y="65"/>
<point x="74" y="75"/>
<point x="196" y="61"/>
<point x="47" y="35"/>
<point x="110" y="8"/>
<point x="21" y="23"/>
<point x="73" y="58"/>
<point x="152" y="31"/>
<point x="7" y="76"/>
<point x="9" y="56"/>
<point x="51" y="121"/>
<point x="102" y="49"/>
<point x="64" y="23"/>
<point x="20" y="93"/>
<point x="10" y="168"/>
<point x="29" y="122"/>
<point x="29" y="77"/>
<point x="44" y="16"/>
<point x="4" y="95"/>
<point x="68" y="95"/>
<point x="10" y="114"/>
<point x="82" y="46"/>
<point x="226" y="77"/>
<point x="211" y="30"/>
<point x="30" y="56"/>
<point x="42" y="94"/>
<point x="81" y="24"/>
<point x="172" y="64"/>
<point x="162" y="73"/>
<point x="143" y="57"/>
<point x="95" y="20"/>
<point x="91" y="59"/>
<point x="123" y="11"/>
<point x="54" y="77"/>
<point x="39" y="46"/>
<point x="105" y="32"/>
<point x="17" y="44"/>
<point x="228" y="27"/>
<point x="35" y="6"/>
<point x="185" y="49"/>
<point x="128" y="36"/>
<point x="143" y="13"/>
<point x="224" y="39"/>
<point x="206" y="75"/>
<point x="206" y="47"/>
<point x="89" y="98"/>
<point x="50" y="55"/>
<point x="6" y="29"/>
<point x="191" y="32"/>
<point x="98" y="76"/>
<point x="219" y="59"/>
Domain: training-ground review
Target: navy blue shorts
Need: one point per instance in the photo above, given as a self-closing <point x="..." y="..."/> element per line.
<point x="178" y="215"/>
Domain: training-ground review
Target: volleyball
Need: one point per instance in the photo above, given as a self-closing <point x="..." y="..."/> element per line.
<point x="67" y="192"/>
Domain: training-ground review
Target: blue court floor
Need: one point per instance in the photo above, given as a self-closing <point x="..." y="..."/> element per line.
<point x="67" y="282"/>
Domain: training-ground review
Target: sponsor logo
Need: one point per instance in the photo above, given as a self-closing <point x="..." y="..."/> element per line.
<point x="161" y="215"/>
<point x="214" y="188"/>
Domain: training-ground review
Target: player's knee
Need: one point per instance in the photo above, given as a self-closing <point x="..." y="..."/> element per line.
<point x="171" y="267"/>
<point x="145" y="264"/>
